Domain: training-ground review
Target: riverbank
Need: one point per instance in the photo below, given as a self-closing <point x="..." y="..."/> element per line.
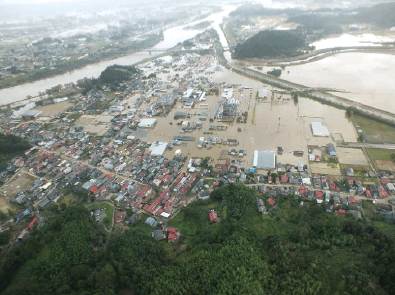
<point x="313" y="56"/>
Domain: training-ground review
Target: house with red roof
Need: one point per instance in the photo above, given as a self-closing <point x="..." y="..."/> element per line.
<point x="351" y="199"/>
<point x="32" y="223"/>
<point x="119" y="216"/>
<point x="340" y="212"/>
<point x="271" y="201"/>
<point x="172" y="234"/>
<point x="144" y="192"/>
<point x="284" y="178"/>
<point x="368" y="193"/>
<point x="213" y="216"/>
<point x="384" y="180"/>
<point x="94" y="190"/>
<point x="319" y="195"/>
<point x="303" y="191"/>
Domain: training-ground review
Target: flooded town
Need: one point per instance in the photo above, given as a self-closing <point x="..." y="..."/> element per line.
<point x="153" y="120"/>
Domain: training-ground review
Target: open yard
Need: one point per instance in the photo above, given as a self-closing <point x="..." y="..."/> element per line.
<point x="359" y="170"/>
<point x="373" y="131"/>
<point x="351" y="156"/>
<point x="53" y="109"/>
<point x="108" y="209"/>
<point x="382" y="159"/>
<point x="8" y="192"/>
<point x="326" y="168"/>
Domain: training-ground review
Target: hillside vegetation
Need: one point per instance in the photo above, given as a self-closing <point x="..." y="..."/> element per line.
<point x="271" y="44"/>
<point x="11" y="146"/>
<point x="293" y="250"/>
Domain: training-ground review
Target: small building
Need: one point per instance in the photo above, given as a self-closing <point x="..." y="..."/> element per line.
<point x="172" y="234"/>
<point x="349" y="172"/>
<point x="330" y="149"/>
<point x="158" y="234"/>
<point x="180" y="115"/>
<point x="271" y="201"/>
<point x="213" y="216"/>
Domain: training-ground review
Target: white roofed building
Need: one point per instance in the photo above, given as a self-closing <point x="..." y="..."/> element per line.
<point x="264" y="159"/>
<point x="319" y="129"/>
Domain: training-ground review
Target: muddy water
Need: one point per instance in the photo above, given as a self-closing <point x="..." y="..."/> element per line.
<point x="278" y="123"/>
<point x="369" y="77"/>
<point x="347" y="40"/>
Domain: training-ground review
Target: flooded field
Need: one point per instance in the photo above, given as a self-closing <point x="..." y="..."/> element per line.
<point x="348" y="40"/>
<point x="367" y="76"/>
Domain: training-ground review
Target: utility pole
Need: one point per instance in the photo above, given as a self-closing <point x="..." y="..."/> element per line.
<point x="279" y="120"/>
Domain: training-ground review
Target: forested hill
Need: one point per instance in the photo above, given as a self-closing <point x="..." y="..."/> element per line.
<point x="271" y="44"/>
<point x="293" y="250"/>
<point x="11" y="146"/>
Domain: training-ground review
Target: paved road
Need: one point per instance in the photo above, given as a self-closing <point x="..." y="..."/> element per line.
<point x="387" y="146"/>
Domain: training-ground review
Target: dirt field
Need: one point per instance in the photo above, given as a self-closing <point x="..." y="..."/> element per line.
<point x="385" y="165"/>
<point x="326" y="168"/>
<point x="8" y="191"/>
<point x="54" y="109"/>
<point x="351" y="156"/>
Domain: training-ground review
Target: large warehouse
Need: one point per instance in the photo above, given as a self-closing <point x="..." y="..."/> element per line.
<point x="147" y="123"/>
<point x="264" y="159"/>
<point x="319" y="129"/>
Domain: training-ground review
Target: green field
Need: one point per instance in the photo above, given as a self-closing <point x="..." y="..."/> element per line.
<point x="373" y="131"/>
<point x="75" y="116"/>
<point x="380" y="154"/>
<point x="109" y="210"/>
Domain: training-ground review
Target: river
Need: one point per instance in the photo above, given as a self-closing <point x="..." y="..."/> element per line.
<point x="172" y="37"/>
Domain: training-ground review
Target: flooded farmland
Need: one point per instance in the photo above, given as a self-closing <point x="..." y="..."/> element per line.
<point x="367" y="76"/>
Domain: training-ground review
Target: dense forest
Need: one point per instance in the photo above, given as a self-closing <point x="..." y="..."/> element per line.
<point x="296" y="249"/>
<point x="271" y="44"/>
<point x="10" y="147"/>
<point x="111" y="76"/>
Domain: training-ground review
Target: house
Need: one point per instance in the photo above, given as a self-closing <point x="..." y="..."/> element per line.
<point x="151" y="222"/>
<point x="349" y="172"/>
<point x="352" y="200"/>
<point x="172" y="234"/>
<point x="340" y="212"/>
<point x="271" y="201"/>
<point x="330" y="149"/>
<point x="119" y="216"/>
<point x="213" y="216"/>
<point x="158" y="235"/>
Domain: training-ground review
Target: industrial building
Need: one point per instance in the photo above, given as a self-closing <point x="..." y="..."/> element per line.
<point x="319" y="129"/>
<point x="147" y="123"/>
<point x="116" y="108"/>
<point x="158" y="148"/>
<point x="264" y="160"/>
<point x="263" y="93"/>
